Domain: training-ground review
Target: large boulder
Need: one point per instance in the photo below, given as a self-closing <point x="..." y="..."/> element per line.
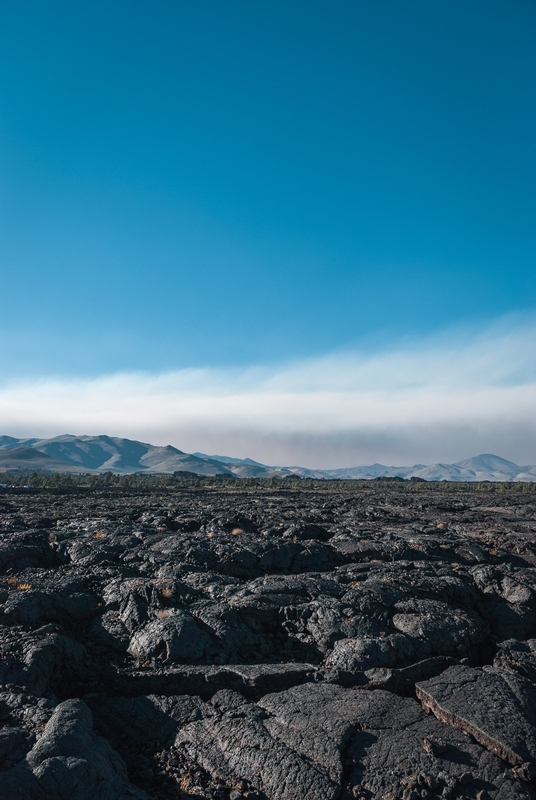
<point x="363" y="653"/>
<point x="175" y="636"/>
<point x="448" y="630"/>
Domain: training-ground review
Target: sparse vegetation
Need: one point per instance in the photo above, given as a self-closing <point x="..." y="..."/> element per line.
<point x="136" y="483"/>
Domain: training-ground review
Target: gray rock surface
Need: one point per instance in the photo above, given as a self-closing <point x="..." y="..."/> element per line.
<point x="495" y="706"/>
<point x="174" y="634"/>
<point x="237" y="746"/>
<point x="373" y="740"/>
<point x="267" y="643"/>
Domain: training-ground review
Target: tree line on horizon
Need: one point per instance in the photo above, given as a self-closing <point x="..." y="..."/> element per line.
<point x="135" y="482"/>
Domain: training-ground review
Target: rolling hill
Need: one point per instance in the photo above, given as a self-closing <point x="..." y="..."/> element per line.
<point x="77" y="454"/>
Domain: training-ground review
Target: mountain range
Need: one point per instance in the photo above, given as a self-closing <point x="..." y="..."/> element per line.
<point x="97" y="454"/>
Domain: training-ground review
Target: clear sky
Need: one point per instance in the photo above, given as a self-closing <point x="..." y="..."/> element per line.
<point x="236" y="186"/>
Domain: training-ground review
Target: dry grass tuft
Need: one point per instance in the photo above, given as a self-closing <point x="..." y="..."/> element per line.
<point x="99" y="534"/>
<point x="24" y="586"/>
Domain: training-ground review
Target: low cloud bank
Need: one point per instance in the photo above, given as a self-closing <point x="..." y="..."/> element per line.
<point x="443" y="399"/>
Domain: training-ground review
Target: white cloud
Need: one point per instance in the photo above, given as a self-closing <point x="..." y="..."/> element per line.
<point x="442" y="399"/>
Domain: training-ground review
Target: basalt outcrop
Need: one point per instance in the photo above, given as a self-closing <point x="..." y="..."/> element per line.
<point x="373" y="642"/>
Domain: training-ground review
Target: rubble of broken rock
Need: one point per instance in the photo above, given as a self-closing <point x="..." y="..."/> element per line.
<point x="369" y="642"/>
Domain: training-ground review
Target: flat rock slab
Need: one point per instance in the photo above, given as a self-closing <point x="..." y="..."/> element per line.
<point x="496" y="707"/>
<point x="251" y="680"/>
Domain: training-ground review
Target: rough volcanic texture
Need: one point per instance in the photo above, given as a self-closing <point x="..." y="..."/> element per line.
<point x="276" y="644"/>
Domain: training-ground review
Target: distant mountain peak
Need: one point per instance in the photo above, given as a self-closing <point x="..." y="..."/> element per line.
<point x="104" y="453"/>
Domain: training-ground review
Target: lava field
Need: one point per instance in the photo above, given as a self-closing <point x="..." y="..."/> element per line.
<point x="369" y="642"/>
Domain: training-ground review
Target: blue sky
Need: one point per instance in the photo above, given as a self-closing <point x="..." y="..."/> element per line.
<point x="225" y="186"/>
